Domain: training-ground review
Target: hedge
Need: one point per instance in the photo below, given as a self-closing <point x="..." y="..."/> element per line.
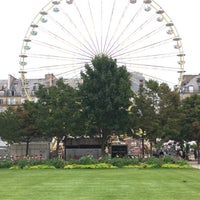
<point x="90" y="162"/>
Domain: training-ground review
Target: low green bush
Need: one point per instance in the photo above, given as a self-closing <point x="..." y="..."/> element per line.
<point x="140" y="166"/>
<point x="120" y="162"/>
<point x="22" y="162"/>
<point x="104" y="166"/>
<point x="175" y="166"/>
<point x="15" y="167"/>
<point x="90" y="166"/>
<point x="56" y="162"/>
<point x="174" y="160"/>
<point x="157" y="162"/>
<point x="87" y="160"/>
<point x="132" y="167"/>
<point x="6" y="164"/>
<point x="42" y="167"/>
<point x="148" y="166"/>
<point x="28" y="161"/>
<point x="79" y="166"/>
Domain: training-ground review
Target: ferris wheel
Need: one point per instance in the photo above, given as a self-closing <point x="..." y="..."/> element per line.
<point x="67" y="34"/>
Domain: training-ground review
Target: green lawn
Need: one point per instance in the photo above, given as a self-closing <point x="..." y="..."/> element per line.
<point x="109" y="184"/>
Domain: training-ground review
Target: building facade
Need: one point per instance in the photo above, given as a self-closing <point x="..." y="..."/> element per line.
<point x="190" y="85"/>
<point x="12" y="92"/>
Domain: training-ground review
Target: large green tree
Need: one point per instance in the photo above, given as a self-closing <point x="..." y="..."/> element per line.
<point x="145" y="112"/>
<point x="105" y="97"/>
<point x="155" y="111"/>
<point x="169" y="103"/>
<point x="190" y="120"/>
<point x="17" y="125"/>
<point x="9" y="125"/>
<point x="56" y="111"/>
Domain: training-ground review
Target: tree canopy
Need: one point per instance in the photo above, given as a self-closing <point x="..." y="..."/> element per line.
<point x="56" y="110"/>
<point x="17" y="125"/>
<point x="190" y="120"/>
<point x="105" y="96"/>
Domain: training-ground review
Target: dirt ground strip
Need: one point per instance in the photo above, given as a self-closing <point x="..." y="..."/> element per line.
<point x="194" y="164"/>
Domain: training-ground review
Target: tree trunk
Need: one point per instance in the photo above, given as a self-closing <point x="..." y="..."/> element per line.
<point x="57" y="146"/>
<point x="65" y="155"/>
<point x="105" y="135"/>
<point x="198" y="152"/>
<point x="151" y="148"/>
<point x="142" y="146"/>
<point x="27" y="147"/>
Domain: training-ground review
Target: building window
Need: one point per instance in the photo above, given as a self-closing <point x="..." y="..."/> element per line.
<point x="1" y="101"/>
<point x="22" y="100"/>
<point x="2" y="93"/>
<point x="11" y="101"/>
<point x="191" y="89"/>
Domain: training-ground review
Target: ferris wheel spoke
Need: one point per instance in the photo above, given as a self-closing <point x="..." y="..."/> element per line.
<point x="76" y="65"/>
<point x="141" y="39"/>
<point x="118" y="24"/>
<point x="152" y="76"/>
<point x="145" y="66"/>
<point x="161" y="80"/>
<point x="109" y="26"/>
<point x="71" y="71"/>
<point x="89" y="49"/>
<point x="59" y="49"/>
<point x="143" y="48"/>
<point x="94" y="27"/>
<point x="132" y="34"/>
<point x="67" y="58"/>
<point x="124" y="30"/>
<point x="69" y="44"/>
<point x="93" y="46"/>
<point x="77" y="29"/>
<point x="149" y="57"/>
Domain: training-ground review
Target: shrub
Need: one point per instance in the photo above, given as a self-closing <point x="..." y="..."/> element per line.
<point x="157" y="162"/>
<point x="175" y="166"/>
<point x="148" y="166"/>
<point x="15" y="167"/>
<point x="141" y="166"/>
<point x="56" y="162"/>
<point x="120" y="162"/>
<point x="90" y="166"/>
<point x="80" y="166"/>
<point x="132" y="166"/>
<point x="22" y="162"/>
<point x="174" y="160"/>
<point x="6" y="164"/>
<point x="87" y="160"/>
<point x="104" y="166"/>
<point x="42" y="167"/>
<point x="33" y="161"/>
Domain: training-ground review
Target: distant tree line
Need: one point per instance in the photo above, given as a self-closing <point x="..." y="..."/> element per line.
<point x="101" y="105"/>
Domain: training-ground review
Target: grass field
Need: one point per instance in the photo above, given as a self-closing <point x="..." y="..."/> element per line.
<point x="113" y="184"/>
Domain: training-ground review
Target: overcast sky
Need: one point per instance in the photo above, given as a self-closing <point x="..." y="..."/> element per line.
<point x="16" y="16"/>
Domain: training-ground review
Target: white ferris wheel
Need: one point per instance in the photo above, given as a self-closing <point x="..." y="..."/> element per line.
<point x="67" y="34"/>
